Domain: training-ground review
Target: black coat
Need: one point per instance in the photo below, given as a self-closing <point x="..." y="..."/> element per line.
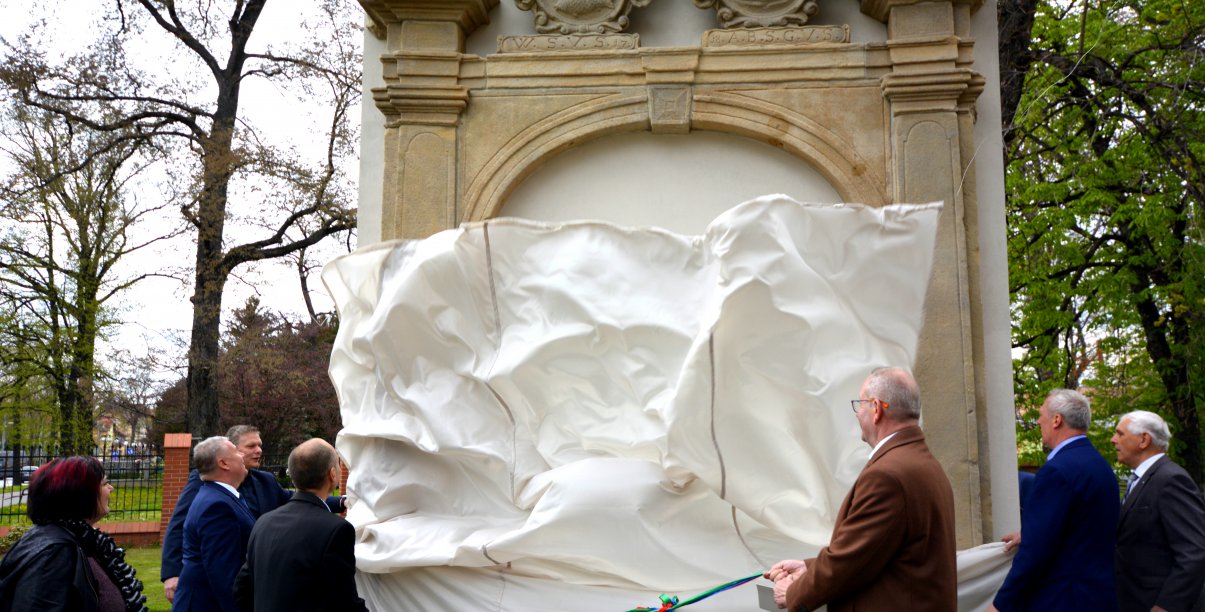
<point x="47" y="571"/>
<point x="1161" y="541"/>
<point x="300" y="557"/>
<point x="262" y="493"/>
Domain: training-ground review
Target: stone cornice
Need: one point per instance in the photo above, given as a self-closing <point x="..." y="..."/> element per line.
<point x="420" y="105"/>
<point x="469" y="14"/>
<point x="881" y="9"/>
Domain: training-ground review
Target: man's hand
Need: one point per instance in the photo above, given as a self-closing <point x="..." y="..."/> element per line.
<point x="784" y="574"/>
<point x="1011" y="541"/>
<point x="169" y="587"/>
<point x="783" y="568"/>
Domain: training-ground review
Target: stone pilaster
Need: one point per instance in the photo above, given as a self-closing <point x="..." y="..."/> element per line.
<point x="422" y="101"/>
<point x="931" y="93"/>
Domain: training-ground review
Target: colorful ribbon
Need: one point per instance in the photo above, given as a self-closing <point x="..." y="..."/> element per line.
<point x="671" y="603"/>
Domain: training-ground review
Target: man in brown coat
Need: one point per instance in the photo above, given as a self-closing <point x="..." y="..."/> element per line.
<point x="892" y="546"/>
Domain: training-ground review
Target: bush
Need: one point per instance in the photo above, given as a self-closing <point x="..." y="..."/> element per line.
<point x="10" y="540"/>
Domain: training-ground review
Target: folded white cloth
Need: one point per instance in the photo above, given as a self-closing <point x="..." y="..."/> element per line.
<point x="628" y="410"/>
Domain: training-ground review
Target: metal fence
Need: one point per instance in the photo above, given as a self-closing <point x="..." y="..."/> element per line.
<point x="278" y="466"/>
<point x="137" y="481"/>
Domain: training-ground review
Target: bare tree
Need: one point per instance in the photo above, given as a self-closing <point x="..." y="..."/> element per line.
<point x="246" y="199"/>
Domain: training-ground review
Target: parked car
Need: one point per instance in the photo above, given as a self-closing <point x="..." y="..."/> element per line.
<point x="28" y="470"/>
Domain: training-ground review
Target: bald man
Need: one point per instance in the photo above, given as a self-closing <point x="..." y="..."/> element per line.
<point x="301" y="556"/>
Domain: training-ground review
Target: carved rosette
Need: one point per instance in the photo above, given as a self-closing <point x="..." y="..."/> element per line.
<point x="580" y="16"/>
<point x="761" y="13"/>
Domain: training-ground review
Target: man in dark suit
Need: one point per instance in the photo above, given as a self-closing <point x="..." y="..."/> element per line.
<point x="1160" y="557"/>
<point x="215" y="531"/>
<point x="301" y="556"/>
<point x="1065" y="547"/>
<point x="892" y="546"/>
<point x="260" y="490"/>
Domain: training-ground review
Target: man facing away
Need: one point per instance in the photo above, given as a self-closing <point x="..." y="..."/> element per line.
<point x="301" y="556"/>
<point x="1065" y="547"/>
<point x="893" y="543"/>
<point x="1160" y="559"/>
<point x="215" y="530"/>
<point x="260" y="490"/>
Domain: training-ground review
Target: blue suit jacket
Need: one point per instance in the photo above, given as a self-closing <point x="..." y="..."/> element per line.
<point x="260" y="489"/>
<point x="1068" y="532"/>
<point x="215" y="542"/>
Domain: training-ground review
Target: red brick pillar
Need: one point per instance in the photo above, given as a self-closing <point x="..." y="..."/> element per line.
<point x="175" y="473"/>
<point x="343" y="480"/>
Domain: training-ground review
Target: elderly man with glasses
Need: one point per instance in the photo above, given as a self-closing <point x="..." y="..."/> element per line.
<point x="892" y="546"/>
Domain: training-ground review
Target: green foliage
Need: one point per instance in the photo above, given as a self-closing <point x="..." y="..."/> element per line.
<point x="1105" y="234"/>
<point x="10" y="539"/>
<point x="66" y="223"/>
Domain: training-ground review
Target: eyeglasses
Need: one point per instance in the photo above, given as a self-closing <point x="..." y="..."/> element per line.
<point x="856" y="404"/>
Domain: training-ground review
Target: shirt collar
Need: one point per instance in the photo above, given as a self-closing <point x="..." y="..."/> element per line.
<point x="1146" y="465"/>
<point x="1058" y="448"/>
<point x="228" y="488"/>
<point x="881" y="443"/>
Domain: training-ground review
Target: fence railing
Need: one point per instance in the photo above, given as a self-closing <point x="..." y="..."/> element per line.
<point x="137" y="487"/>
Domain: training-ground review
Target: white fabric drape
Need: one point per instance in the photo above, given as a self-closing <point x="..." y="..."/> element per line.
<point x="534" y="411"/>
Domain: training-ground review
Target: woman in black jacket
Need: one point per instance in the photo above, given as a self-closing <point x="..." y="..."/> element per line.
<point x="64" y="562"/>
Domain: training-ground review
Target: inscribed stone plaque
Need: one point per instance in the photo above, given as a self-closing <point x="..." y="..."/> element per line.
<point x="774" y="37"/>
<point x="568" y="42"/>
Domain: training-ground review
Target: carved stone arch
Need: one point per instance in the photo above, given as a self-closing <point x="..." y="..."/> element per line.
<point x="853" y="178"/>
<point x="543" y="140"/>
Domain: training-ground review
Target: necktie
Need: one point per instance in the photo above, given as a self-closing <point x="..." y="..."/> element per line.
<point x="1130" y="484"/>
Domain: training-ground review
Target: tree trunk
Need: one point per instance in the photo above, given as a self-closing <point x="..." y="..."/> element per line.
<point x="1173" y="373"/>
<point x="204" y="412"/>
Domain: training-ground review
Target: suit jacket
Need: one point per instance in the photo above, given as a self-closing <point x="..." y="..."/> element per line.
<point x="893" y="544"/>
<point x="1068" y="532"/>
<point x="215" y="541"/>
<point x="1160" y="555"/>
<point x="260" y="489"/>
<point x="286" y="570"/>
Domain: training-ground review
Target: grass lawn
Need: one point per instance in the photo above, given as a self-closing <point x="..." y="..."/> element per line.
<point x="146" y="562"/>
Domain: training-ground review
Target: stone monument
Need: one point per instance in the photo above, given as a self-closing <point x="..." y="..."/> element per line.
<point x="884" y="106"/>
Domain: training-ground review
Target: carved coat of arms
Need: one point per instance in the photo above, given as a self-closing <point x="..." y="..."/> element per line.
<point x="580" y="16"/>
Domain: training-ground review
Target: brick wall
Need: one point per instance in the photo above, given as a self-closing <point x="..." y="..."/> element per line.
<point x="176" y="448"/>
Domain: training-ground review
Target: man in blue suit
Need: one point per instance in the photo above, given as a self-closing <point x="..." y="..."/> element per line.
<point x="1065" y="559"/>
<point x="260" y="490"/>
<point x="215" y="531"/>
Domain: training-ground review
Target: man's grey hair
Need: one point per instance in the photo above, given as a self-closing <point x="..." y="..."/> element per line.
<point x="238" y="431"/>
<point x="309" y="464"/>
<point x="1146" y="422"/>
<point x="898" y="389"/>
<point x="205" y="455"/>
<point x="1072" y="405"/>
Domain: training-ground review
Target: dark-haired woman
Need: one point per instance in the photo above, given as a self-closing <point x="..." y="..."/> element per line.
<point x="64" y="562"/>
